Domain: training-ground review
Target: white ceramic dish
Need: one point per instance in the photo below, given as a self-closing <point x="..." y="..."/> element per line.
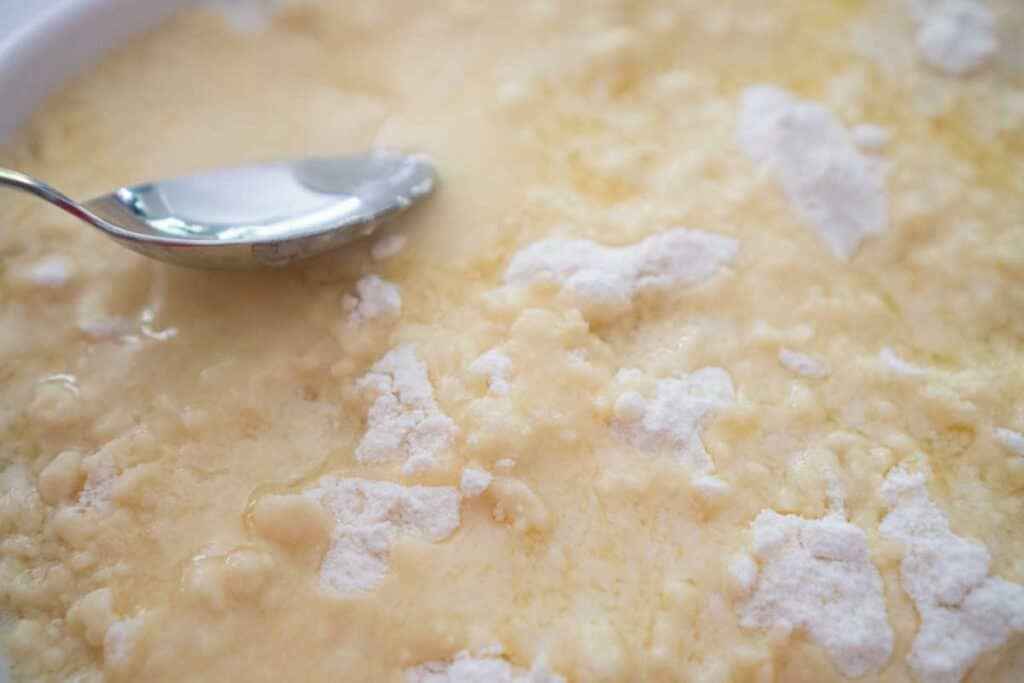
<point x="46" y="43"/>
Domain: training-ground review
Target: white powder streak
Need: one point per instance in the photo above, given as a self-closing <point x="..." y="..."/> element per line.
<point x="802" y="364"/>
<point x="870" y="138"/>
<point x="898" y="364"/>
<point x="816" y="575"/>
<point x="387" y="246"/>
<point x="369" y="516"/>
<point x="957" y="37"/>
<point x="829" y="184"/>
<point x="603" y="281"/>
<point x="485" y="667"/>
<point x="1011" y="440"/>
<point x="120" y="642"/>
<point x="377" y="299"/>
<point x="963" y="611"/>
<point x="474" y="482"/>
<point x="496" y="366"/>
<point x="672" y="420"/>
<point x="52" y="272"/>
<point x="404" y="422"/>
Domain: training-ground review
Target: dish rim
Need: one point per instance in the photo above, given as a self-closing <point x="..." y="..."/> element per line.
<point x="45" y="48"/>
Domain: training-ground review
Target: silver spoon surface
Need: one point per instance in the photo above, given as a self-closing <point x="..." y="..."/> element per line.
<point x="265" y="215"/>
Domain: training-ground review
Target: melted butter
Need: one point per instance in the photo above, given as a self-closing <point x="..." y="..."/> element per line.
<point x="996" y="164"/>
<point x="166" y="489"/>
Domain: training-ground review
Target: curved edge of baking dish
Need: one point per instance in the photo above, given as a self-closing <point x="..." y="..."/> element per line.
<point x="46" y="46"/>
<point x="58" y="40"/>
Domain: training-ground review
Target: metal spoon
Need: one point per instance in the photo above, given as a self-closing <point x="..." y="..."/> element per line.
<point x="267" y="215"/>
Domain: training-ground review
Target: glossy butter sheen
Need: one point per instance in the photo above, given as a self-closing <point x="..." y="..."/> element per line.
<point x="168" y="437"/>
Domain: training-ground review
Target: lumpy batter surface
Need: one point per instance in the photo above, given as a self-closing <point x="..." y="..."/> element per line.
<point x="705" y="362"/>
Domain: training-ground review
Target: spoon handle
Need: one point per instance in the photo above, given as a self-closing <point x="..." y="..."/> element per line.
<point x="24" y="183"/>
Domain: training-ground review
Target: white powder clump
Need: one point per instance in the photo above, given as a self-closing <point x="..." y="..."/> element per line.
<point x="496" y="366"/>
<point x="387" y="246"/>
<point x="963" y="611"/>
<point x="52" y="272"/>
<point x="603" y="281"/>
<point x="957" y="37"/>
<point x="486" y="667"/>
<point x="802" y="364"/>
<point x="1011" y="440"/>
<point x="710" y="487"/>
<point x="869" y="137"/>
<point x="815" y="575"/>
<point x="743" y="570"/>
<point x="377" y="299"/>
<point x="120" y="642"/>
<point x="368" y="517"/>
<point x="474" y="482"/>
<point x="831" y="186"/>
<point x="898" y="364"/>
<point x="671" y="421"/>
<point x="404" y="422"/>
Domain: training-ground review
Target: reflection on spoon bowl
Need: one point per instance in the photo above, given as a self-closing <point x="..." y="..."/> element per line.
<point x="269" y="214"/>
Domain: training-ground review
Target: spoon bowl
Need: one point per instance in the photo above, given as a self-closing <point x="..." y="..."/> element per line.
<point x="265" y="215"/>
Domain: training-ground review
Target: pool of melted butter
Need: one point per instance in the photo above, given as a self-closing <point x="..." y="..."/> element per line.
<point x="145" y="410"/>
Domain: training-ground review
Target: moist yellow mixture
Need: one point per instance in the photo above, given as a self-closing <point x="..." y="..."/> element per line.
<point x="737" y="452"/>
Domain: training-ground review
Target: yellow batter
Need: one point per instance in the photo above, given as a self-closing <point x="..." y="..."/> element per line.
<point x="164" y="432"/>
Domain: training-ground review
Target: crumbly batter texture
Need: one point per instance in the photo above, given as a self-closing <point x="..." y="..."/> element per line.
<point x="704" y="363"/>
